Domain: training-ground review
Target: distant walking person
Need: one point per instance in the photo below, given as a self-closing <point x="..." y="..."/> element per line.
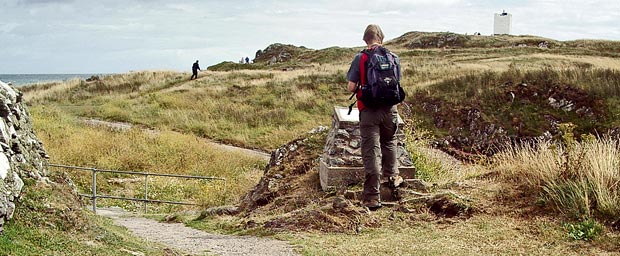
<point x="247" y="60"/>
<point x="195" y="69"/>
<point x="374" y="77"/>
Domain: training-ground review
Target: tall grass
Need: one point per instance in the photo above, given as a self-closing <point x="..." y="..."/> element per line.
<point x="581" y="179"/>
<point x="433" y="165"/>
<point x="70" y="142"/>
<point x="256" y="109"/>
<point x="604" y="83"/>
<point x="115" y="84"/>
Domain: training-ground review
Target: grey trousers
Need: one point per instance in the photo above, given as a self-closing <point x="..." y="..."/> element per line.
<point x="378" y="128"/>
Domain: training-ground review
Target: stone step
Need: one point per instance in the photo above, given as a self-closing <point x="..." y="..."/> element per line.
<point x="409" y="187"/>
<point x="333" y="177"/>
<point x="356" y="195"/>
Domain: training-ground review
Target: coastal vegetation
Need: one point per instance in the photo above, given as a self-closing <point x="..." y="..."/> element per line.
<point x="531" y="129"/>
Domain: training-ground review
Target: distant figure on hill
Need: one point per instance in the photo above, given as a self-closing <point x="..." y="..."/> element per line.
<point x="247" y="60"/>
<point x="195" y="69"/>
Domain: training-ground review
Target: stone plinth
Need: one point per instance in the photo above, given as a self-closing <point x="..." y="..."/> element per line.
<point x="341" y="162"/>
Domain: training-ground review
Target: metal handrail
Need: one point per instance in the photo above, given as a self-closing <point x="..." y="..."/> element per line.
<point x="94" y="195"/>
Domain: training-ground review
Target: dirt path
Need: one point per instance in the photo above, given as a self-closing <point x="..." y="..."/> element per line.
<point x="178" y="236"/>
<point x="126" y="126"/>
<point x="195" y="242"/>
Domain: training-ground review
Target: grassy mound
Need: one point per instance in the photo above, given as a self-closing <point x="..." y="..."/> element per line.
<point x="289" y="197"/>
<point x="77" y="90"/>
<point x="289" y="57"/>
<point x="231" y="66"/>
<point x="281" y="53"/>
<point x="424" y="40"/>
<point x="494" y="109"/>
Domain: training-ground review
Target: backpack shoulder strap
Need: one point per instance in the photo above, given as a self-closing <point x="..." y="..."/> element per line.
<point x="358" y="92"/>
<point x="363" y="60"/>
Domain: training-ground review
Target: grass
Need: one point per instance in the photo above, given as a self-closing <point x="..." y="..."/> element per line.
<point x="491" y="236"/>
<point x="516" y="104"/>
<point x="586" y="230"/>
<point x="449" y="40"/>
<point x="101" y="237"/>
<point x="261" y="106"/>
<point x="117" y="84"/>
<point x="136" y="150"/>
<point x="235" y="111"/>
<point x="49" y="221"/>
<point x="580" y="178"/>
<point x="266" y="108"/>
<point x="433" y="165"/>
<point x="422" y="234"/>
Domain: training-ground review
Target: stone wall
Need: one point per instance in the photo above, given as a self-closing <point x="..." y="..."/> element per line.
<point x="21" y="153"/>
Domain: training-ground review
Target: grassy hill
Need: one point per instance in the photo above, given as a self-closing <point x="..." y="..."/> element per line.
<point x="481" y="99"/>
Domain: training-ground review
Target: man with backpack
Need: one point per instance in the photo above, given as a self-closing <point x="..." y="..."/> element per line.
<point x="374" y="78"/>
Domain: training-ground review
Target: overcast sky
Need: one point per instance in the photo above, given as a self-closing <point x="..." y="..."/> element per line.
<point x="110" y="36"/>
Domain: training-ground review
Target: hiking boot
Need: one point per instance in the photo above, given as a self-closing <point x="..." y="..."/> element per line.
<point x="395" y="181"/>
<point x="372" y="204"/>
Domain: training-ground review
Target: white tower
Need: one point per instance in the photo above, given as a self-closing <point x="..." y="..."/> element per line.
<point x="502" y="24"/>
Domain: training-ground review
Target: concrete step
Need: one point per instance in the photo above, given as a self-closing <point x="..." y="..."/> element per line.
<point x="332" y="177"/>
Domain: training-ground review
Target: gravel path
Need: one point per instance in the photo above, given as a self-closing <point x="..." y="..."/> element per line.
<point x="194" y="241"/>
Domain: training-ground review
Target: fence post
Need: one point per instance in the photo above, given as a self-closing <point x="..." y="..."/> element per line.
<point x="94" y="188"/>
<point x="146" y="191"/>
<point x="225" y="195"/>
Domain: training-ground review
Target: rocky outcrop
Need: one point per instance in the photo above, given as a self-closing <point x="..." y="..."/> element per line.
<point x="506" y="111"/>
<point x="288" y="170"/>
<point x="276" y="53"/>
<point x="422" y="40"/>
<point x="21" y="153"/>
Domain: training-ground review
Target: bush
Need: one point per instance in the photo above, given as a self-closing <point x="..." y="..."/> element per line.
<point x="586" y="230"/>
<point x="579" y="178"/>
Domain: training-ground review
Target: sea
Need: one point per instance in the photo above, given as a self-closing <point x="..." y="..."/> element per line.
<point x="26" y="79"/>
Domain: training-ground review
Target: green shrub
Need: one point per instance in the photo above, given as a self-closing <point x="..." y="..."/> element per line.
<point x="586" y="230"/>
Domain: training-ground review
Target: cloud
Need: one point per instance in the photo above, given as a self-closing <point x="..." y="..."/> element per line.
<point x="43" y="1"/>
<point x="121" y="35"/>
<point x="23" y="3"/>
<point x="8" y="27"/>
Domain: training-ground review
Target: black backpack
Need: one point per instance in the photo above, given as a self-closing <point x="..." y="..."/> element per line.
<point x="380" y="81"/>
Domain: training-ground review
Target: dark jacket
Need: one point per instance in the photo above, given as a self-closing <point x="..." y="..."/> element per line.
<point x="195" y="67"/>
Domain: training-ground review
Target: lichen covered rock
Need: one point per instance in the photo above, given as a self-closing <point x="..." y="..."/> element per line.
<point x="21" y="153"/>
